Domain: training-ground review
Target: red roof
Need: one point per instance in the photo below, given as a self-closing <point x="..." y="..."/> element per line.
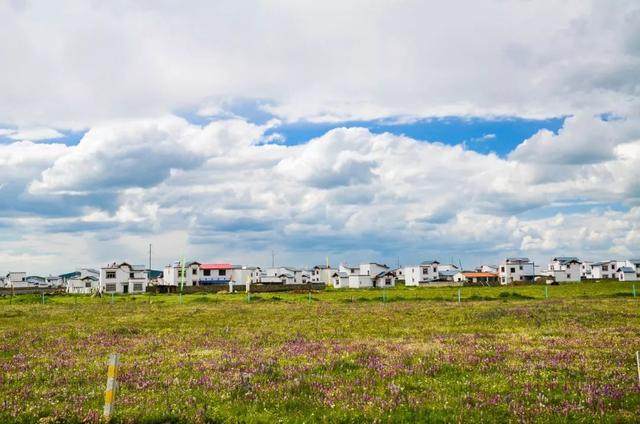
<point x="479" y="274"/>
<point x="215" y="266"/>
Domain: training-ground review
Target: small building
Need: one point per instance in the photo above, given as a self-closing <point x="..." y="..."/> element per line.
<point x="173" y="274"/>
<point x="603" y="270"/>
<point x="627" y="273"/>
<point x="322" y="274"/>
<point x="123" y="278"/>
<point x="16" y="280"/>
<point x="564" y="269"/>
<point x="366" y="275"/>
<point x="447" y="274"/>
<point x="424" y="273"/>
<point x="243" y="275"/>
<point x="83" y="285"/>
<point x="516" y="270"/>
<point x="488" y="268"/>
<point x="476" y="278"/>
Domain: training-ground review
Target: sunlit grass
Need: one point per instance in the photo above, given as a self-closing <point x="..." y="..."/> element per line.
<point x="502" y="353"/>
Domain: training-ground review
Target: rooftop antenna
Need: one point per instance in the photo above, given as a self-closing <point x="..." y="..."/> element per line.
<point x="398" y="262"/>
<point x="327" y="261"/>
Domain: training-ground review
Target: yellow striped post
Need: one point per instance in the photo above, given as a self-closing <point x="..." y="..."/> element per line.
<point x="110" y="392"/>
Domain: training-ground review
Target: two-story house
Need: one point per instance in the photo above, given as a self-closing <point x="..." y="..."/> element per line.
<point x="424" y="273"/>
<point x="123" y="278"/>
<point x="516" y="269"/>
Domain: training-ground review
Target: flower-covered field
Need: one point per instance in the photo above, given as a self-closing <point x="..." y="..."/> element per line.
<point x="500" y="354"/>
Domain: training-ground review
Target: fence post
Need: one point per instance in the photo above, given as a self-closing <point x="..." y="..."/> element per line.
<point x="112" y="294"/>
<point x="43" y="298"/>
<point x="546" y="292"/>
<point x="634" y="290"/>
<point x="459" y="295"/>
<point x="110" y="392"/>
<point x="638" y="365"/>
<point x="309" y="296"/>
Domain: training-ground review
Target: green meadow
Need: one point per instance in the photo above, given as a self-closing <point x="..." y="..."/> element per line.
<point x="475" y="354"/>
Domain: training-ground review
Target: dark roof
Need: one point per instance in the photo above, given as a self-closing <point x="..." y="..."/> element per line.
<point x="567" y="259"/>
<point x="154" y="273"/>
<point x="429" y="262"/>
<point x="517" y="260"/>
<point x="70" y="274"/>
<point x="626" y="270"/>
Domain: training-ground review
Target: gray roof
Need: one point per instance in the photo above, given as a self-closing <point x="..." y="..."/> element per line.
<point x="517" y="260"/>
<point x="566" y="259"/>
<point x="429" y="262"/>
<point x="449" y="273"/>
<point x="627" y="270"/>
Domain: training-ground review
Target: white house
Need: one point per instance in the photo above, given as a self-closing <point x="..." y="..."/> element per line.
<point x="476" y="278"/>
<point x="424" y="273"/>
<point x="16" y="280"/>
<point x="243" y="275"/>
<point x="366" y="275"/>
<point x="585" y="269"/>
<point x="603" y="270"/>
<point x="488" y="268"/>
<point x="564" y="268"/>
<point x="322" y="274"/>
<point x="87" y="284"/>
<point x="516" y="269"/>
<point x="172" y="274"/>
<point x="123" y="278"/>
<point x="627" y="273"/>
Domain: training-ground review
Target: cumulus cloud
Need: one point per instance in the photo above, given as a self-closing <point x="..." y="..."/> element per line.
<point x="31" y="134"/>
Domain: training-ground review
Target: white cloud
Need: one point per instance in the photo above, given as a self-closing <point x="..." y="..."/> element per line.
<point x="31" y="134"/>
<point x="316" y="60"/>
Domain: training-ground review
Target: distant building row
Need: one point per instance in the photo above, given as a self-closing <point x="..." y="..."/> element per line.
<point x="126" y="278"/>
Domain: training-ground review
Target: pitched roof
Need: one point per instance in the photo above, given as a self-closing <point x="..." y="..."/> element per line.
<point x="626" y="270"/>
<point x="429" y="262"/>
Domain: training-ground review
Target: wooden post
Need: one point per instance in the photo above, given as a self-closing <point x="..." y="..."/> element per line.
<point x="459" y="295"/>
<point x="638" y="365"/>
<point x="634" y="290"/>
<point x="112" y="294"/>
<point x="43" y="298"/>
<point x="309" y="296"/>
<point x="110" y="392"/>
<point x="546" y="292"/>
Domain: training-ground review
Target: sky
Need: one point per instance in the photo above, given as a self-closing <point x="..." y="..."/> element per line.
<point x="388" y="131"/>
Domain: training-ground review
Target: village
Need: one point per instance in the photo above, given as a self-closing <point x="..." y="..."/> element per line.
<point x="125" y="278"/>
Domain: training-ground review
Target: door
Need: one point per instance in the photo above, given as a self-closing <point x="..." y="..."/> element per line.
<point x="125" y="288"/>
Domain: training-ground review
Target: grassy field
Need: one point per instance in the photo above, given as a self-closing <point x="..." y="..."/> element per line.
<point x="500" y="354"/>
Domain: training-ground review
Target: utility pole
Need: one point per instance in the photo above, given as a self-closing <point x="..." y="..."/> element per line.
<point x="149" y="257"/>
<point x="273" y="259"/>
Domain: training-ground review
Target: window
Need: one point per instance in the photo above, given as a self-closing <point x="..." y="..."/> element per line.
<point x="110" y="287"/>
<point x="194" y="271"/>
<point x="501" y="269"/>
<point x="111" y="275"/>
<point x="137" y="287"/>
<point x="207" y="272"/>
<point x="568" y="275"/>
<point x="425" y="270"/>
<point x="87" y="284"/>
<point x="388" y="281"/>
<point x="604" y="268"/>
<point x="132" y="275"/>
<point x="222" y="272"/>
<point x="513" y="270"/>
<point x="520" y="267"/>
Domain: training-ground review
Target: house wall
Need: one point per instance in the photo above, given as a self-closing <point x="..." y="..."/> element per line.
<point x="123" y="278"/>
<point x="510" y="273"/>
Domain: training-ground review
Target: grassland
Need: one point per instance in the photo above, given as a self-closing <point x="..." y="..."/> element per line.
<point x="500" y="354"/>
